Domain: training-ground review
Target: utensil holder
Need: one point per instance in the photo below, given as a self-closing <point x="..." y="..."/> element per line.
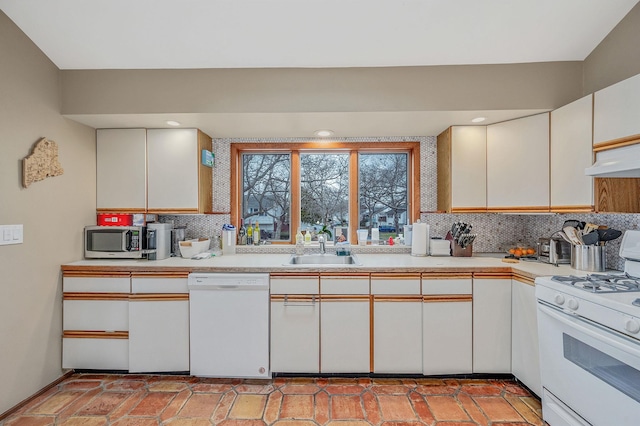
<point x="588" y="258"/>
<point x="458" y="251"/>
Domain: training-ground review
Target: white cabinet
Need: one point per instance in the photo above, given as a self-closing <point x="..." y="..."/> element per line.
<point x="517" y="153"/>
<point x="121" y="171"/>
<point x="447" y="324"/>
<point x="616" y="110"/>
<point x="491" y="324"/>
<point x="462" y="169"/>
<point x="525" y="359"/>
<point x="571" y="153"/>
<point x="159" y="323"/>
<point x="397" y="323"/>
<point x="295" y="324"/>
<point x="177" y="180"/>
<point x="96" y="321"/>
<point x="344" y="323"/>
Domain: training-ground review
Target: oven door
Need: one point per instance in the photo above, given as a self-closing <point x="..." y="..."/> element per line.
<point x="591" y="369"/>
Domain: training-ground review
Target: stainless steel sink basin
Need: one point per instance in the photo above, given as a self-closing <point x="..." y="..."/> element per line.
<point x="323" y="259"/>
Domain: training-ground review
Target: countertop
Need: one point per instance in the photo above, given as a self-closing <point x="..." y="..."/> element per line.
<point x="368" y="263"/>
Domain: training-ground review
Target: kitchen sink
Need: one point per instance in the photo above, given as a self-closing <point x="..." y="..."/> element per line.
<point x="323" y="259"/>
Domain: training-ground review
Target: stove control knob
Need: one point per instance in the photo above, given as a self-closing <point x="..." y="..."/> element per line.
<point x="559" y="299"/>
<point x="632" y="326"/>
<point x="572" y="304"/>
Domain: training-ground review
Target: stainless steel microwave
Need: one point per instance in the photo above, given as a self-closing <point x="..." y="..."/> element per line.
<point x="113" y="242"/>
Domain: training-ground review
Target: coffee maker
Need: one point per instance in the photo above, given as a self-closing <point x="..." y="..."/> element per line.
<point x="159" y="239"/>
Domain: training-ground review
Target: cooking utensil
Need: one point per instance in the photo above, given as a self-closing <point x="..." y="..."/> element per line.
<point x="608" y="234"/>
<point x="564" y="236"/>
<point x="573" y="223"/>
<point x="572" y="234"/>
<point x="592" y="238"/>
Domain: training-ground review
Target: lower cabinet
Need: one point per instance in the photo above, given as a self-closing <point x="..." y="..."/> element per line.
<point x="397" y="323"/>
<point x="491" y="323"/>
<point x="96" y="321"/>
<point x="446" y="324"/>
<point x="158" y="323"/>
<point x="345" y="324"/>
<point x="525" y="360"/>
<point x="295" y="324"/>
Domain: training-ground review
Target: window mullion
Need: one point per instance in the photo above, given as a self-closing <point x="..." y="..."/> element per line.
<point x="354" y="196"/>
<point x="294" y="223"/>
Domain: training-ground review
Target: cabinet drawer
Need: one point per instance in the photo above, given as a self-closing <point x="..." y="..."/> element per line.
<point x="395" y="284"/>
<point x="447" y="286"/>
<point x="358" y="284"/>
<point x="105" y="315"/>
<point x="297" y="284"/>
<point x="95" y="353"/>
<point x="96" y="284"/>
<point x="159" y="285"/>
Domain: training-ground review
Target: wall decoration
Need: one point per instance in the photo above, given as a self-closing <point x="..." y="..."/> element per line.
<point x="42" y="163"/>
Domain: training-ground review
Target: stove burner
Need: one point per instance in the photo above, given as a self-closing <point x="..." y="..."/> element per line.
<point x="602" y="283"/>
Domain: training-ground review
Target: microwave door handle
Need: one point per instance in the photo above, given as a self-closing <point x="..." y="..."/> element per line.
<point x="128" y="238"/>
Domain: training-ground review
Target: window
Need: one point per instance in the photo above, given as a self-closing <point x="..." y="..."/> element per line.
<point x="306" y="186"/>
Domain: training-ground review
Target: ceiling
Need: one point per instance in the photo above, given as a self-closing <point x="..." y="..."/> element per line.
<point x="184" y="34"/>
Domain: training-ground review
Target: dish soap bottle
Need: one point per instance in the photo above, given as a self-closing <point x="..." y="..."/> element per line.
<point x="307" y="237"/>
<point x="256" y="234"/>
<point x="299" y="243"/>
<point x="250" y="234"/>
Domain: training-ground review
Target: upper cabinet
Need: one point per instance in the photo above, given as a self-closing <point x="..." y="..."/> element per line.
<point x="571" y="153"/>
<point x="616" y="110"/>
<point x="462" y="169"/>
<point x="121" y="171"/>
<point x="155" y="171"/>
<point x="517" y="153"/>
<point x="178" y="182"/>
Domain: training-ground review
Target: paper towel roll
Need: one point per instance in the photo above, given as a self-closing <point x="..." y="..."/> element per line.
<point x="420" y="239"/>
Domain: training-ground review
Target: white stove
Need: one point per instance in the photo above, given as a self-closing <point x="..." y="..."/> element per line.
<point x="589" y="332"/>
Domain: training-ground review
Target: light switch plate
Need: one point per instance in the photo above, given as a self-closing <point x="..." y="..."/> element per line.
<point x="11" y="234"/>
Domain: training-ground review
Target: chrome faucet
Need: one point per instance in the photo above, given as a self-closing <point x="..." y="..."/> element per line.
<point x="321" y="241"/>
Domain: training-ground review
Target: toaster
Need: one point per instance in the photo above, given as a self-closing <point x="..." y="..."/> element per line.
<point x="554" y="250"/>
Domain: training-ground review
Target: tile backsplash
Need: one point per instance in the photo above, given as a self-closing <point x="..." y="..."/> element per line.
<point x="496" y="232"/>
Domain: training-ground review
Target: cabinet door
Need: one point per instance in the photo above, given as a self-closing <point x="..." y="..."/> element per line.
<point x="517" y="152"/>
<point x="159" y="333"/>
<point x="173" y="161"/>
<point x="447" y="324"/>
<point x="295" y="333"/>
<point x="158" y="324"/>
<point x="121" y="169"/>
<point x="397" y="335"/>
<point x="468" y="167"/>
<point x="491" y="325"/>
<point x="525" y="359"/>
<point x="344" y="331"/>
<point x="571" y="153"/>
<point x="616" y="111"/>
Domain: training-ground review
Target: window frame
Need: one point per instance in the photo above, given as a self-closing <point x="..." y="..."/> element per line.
<point x="353" y="148"/>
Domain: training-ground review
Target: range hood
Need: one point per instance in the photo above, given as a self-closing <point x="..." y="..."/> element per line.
<point x="621" y="162"/>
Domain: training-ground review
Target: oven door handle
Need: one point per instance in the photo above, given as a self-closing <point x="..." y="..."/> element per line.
<point x="578" y="324"/>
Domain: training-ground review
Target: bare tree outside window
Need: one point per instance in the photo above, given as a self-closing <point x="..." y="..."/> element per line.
<point x="266" y="193"/>
<point x="384" y="193"/>
<point x="324" y="189"/>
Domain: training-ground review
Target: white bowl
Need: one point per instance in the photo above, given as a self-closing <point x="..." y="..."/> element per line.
<point x="190" y="248"/>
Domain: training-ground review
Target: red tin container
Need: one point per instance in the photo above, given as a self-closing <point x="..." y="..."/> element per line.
<point x="115" y="219"/>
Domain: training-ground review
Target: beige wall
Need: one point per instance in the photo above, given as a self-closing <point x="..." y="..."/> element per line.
<point x="616" y="57"/>
<point x="53" y="212"/>
<point x="439" y="88"/>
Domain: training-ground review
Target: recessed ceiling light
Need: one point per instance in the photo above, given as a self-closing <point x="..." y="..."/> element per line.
<point x="323" y="133"/>
<point x="478" y="119"/>
<point x="173" y="123"/>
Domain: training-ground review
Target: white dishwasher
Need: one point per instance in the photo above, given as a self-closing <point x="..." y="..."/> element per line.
<point x="229" y="325"/>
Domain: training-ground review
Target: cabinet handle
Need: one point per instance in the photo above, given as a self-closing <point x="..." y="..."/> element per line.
<point x="299" y="303"/>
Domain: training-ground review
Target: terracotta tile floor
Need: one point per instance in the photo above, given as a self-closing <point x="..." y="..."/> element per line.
<point x="92" y="399"/>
